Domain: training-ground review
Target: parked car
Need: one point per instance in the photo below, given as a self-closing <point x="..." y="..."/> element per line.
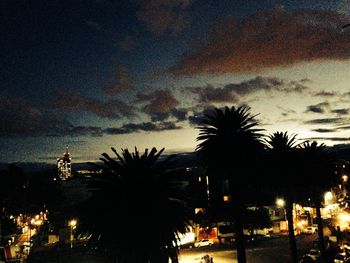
<point x="203" y="243"/>
<point x="315" y="254"/>
<point x="309" y="230"/>
<point x="342" y="258"/>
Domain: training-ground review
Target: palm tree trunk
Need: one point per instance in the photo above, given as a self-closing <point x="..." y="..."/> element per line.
<point x="291" y="235"/>
<point x="320" y="226"/>
<point x="1" y="214"/>
<point x="241" y="257"/>
<point x="237" y="217"/>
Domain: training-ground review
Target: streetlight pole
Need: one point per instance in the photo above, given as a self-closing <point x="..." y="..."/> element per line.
<point x="72" y="225"/>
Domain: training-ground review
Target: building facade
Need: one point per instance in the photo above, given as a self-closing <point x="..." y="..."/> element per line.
<point x="64" y="166"/>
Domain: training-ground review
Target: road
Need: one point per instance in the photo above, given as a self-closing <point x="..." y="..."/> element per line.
<point x="267" y="251"/>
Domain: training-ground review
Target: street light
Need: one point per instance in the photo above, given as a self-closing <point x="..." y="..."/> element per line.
<point x="328" y="197"/>
<point x="72" y="225"/>
<point x="280" y="202"/>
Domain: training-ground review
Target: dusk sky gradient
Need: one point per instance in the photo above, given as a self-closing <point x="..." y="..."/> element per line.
<point x="91" y="74"/>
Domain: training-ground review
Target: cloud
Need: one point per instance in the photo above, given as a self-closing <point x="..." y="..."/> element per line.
<point x="180" y="114"/>
<point x="341" y="111"/>
<point x="19" y="118"/>
<point x="326" y="94"/>
<point x="199" y="116"/>
<point x="346" y="127"/>
<point x="268" y="39"/>
<point x="145" y="126"/>
<point x="334" y="139"/>
<point x="162" y="16"/>
<point x="211" y="94"/>
<point x="232" y="91"/>
<point x="160" y="105"/>
<point x="112" y="109"/>
<point x="318" y="108"/>
<point x="122" y="82"/>
<point x="324" y="130"/>
<point x="286" y="112"/>
<point x="325" y="121"/>
<point x="86" y="130"/>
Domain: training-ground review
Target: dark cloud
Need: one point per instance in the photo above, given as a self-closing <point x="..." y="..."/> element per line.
<point x="325" y="121"/>
<point x="198" y="116"/>
<point x="341" y="111"/>
<point x="112" y="109"/>
<point x="145" y="126"/>
<point x="333" y="139"/>
<point x="268" y="84"/>
<point x="159" y="103"/>
<point x="19" y="118"/>
<point x="346" y="127"/>
<point x="286" y="112"/>
<point x="86" y="130"/>
<point x="210" y="94"/>
<point x="231" y="92"/>
<point x="326" y="94"/>
<point x="267" y="39"/>
<point x="162" y="16"/>
<point x="318" y="108"/>
<point x="122" y="82"/>
<point x="324" y="130"/>
<point x="179" y="114"/>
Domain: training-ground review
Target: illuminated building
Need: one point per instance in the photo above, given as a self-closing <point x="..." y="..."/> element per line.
<point x="64" y="166"/>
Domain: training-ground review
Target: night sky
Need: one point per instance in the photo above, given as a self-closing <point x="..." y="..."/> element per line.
<point x="91" y="74"/>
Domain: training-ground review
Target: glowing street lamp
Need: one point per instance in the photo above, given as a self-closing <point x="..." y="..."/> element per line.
<point x="280" y="202"/>
<point x="72" y="225"/>
<point x="328" y="196"/>
<point x="345" y="178"/>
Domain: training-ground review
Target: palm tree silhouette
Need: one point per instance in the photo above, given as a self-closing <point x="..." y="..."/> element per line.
<point x="229" y="141"/>
<point x="317" y="167"/>
<point x="282" y="150"/>
<point x="136" y="211"/>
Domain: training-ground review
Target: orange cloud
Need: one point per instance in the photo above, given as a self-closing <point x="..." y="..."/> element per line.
<point x="268" y="39"/>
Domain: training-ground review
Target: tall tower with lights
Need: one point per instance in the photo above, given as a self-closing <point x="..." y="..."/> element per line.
<point x="64" y="166"/>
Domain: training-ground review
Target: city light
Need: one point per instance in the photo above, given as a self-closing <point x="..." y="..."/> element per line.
<point x="345" y="178"/>
<point x="343" y="220"/>
<point x="328" y="197"/>
<point x="280" y="202"/>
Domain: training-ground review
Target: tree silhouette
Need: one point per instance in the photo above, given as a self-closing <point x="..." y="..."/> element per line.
<point x="318" y="176"/>
<point x="258" y="218"/>
<point x="229" y="142"/>
<point x="282" y="149"/>
<point x="135" y="199"/>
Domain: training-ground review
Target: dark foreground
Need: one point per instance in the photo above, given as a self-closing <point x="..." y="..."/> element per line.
<point x="274" y="250"/>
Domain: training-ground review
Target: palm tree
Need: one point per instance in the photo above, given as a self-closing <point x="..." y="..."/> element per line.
<point x="283" y="156"/>
<point x="229" y="141"/>
<point x="137" y="210"/>
<point x="317" y="170"/>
